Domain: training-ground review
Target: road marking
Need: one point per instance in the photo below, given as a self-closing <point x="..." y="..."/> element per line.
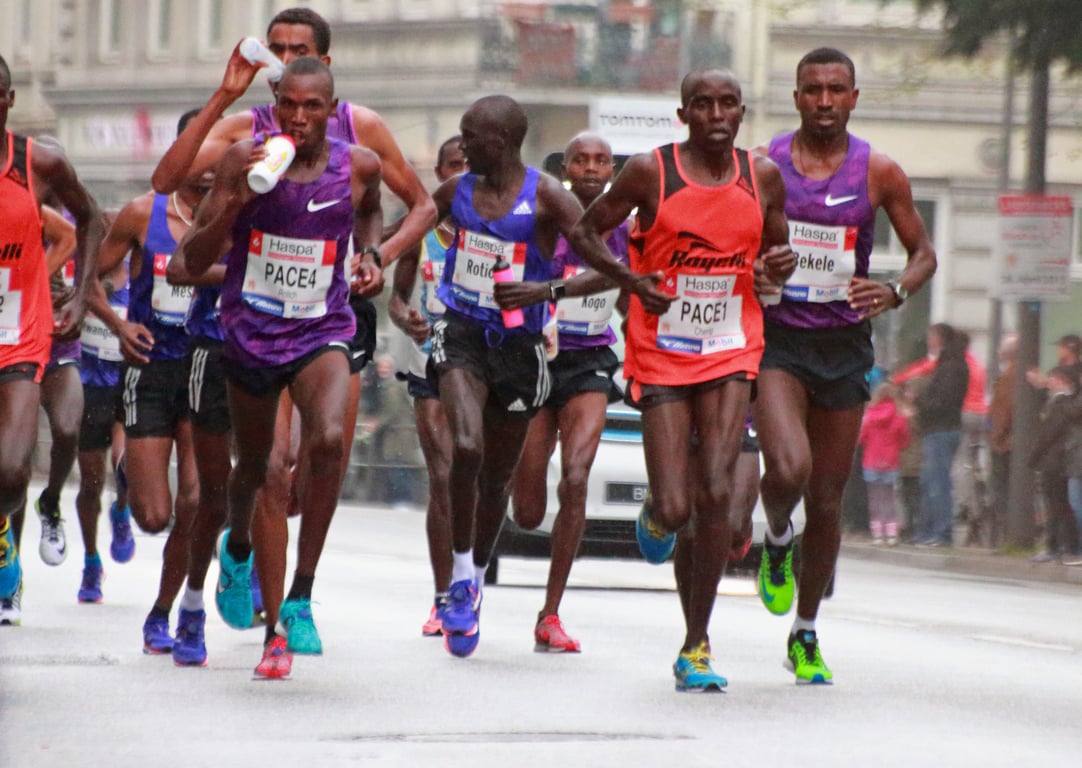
<point x="1023" y="643"/>
<point x="883" y="622"/>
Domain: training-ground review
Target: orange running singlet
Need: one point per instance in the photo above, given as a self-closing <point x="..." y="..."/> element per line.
<point x="705" y="240"/>
<point x="26" y="314"/>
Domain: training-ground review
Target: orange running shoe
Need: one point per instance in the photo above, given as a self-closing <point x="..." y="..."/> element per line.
<point x="434" y="626"/>
<point x="549" y="637"/>
<point x="277" y="661"/>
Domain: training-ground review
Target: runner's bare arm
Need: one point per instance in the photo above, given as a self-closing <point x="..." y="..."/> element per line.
<point x="204" y="140"/>
<point x="888" y="182"/>
<point x="778" y="259"/>
<point x="201" y="245"/>
<point x="59" y="233"/>
<point x="401" y="179"/>
<point x="176" y="273"/>
<point x="408" y="319"/>
<point x="367" y="220"/>
<point x="55" y="172"/>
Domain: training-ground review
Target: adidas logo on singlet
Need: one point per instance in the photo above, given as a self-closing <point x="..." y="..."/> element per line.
<point x="522" y="209"/>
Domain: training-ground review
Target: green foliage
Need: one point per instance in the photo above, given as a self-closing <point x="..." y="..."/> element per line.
<point x="1046" y="30"/>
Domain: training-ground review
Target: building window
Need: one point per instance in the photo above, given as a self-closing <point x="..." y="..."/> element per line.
<point x="161" y="19"/>
<point x="109" y="29"/>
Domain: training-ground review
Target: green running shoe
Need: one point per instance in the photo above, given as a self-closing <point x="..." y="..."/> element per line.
<point x="776" y="584"/>
<point x="295" y="622"/>
<point x="806" y="661"/>
<point x="694" y="674"/>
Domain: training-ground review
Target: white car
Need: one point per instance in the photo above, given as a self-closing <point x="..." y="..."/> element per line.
<point x="615" y="493"/>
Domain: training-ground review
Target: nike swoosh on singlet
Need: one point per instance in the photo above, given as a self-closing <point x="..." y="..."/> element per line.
<point x="833" y="201"/>
<point x="314" y="207"/>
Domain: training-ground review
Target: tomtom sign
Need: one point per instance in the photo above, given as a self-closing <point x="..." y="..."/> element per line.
<point x="636" y="125"/>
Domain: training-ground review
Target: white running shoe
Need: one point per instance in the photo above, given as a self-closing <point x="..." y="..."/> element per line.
<point x="54" y="545"/>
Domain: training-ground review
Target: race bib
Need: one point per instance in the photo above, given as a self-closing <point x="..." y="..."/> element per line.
<point x="11" y="307"/>
<point x="100" y="342"/>
<point x="474" y="261"/>
<point x="169" y="302"/>
<point x="585" y="315"/>
<point x="826" y="261"/>
<point x="69" y="273"/>
<point x="289" y="277"/>
<point x="705" y="317"/>
<point x="431" y="274"/>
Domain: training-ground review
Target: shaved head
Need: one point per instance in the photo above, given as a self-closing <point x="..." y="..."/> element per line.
<point x="505" y="112"/>
<point x="692" y="80"/>
<point x="586" y="137"/>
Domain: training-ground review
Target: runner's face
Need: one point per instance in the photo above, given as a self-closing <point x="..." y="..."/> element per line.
<point x="293" y="41"/>
<point x="588" y="166"/>
<point x="714" y="111"/>
<point x="453" y="163"/>
<point x="482" y="142"/>
<point x="824" y="97"/>
<point x="304" y="106"/>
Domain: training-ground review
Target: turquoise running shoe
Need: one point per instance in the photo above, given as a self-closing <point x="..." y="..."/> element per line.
<point x="806" y="661"/>
<point x="295" y="622"/>
<point x="655" y="544"/>
<point x="234" y="593"/>
<point x="694" y="674"/>
<point x="776" y="585"/>
<point x="11" y="571"/>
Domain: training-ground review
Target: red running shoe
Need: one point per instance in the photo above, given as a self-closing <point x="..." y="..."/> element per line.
<point x="277" y="661"/>
<point x="434" y="626"/>
<point x="549" y="637"/>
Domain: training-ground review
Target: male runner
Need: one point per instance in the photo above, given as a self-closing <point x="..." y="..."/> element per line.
<point x="492" y="378"/>
<point x="706" y="211"/>
<point x="814" y="374"/>
<point x="291" y="34"/>
<point x="28" y="175"/>
<point x="287" y="323"/>
<point x="101" y="433"/>
<point x="154" y="344"/>
<point x="427" y="260"/>
<point x="582" y="387"/>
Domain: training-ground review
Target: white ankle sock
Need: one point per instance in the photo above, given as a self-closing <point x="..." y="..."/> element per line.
<point x="463" y="568"/>
<point x="192" y="600"/>
<point x="800" y="624"/>
<point x="780" y="541"/>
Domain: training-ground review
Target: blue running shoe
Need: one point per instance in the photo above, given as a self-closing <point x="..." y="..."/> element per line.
<point x="122" y="547"/>
<point x="90" y="589"/>
<point x="11" y="572"/>
<point x="694" y="674"/>
<point x="190" y="649"/>
<point x="156" y="637"/>
<point x="460" y="618"/>
<point x="295" y="622"/>
<point x="234" y="593"/>
<point x="257" y="594"/>
<point x="655" y="544"/>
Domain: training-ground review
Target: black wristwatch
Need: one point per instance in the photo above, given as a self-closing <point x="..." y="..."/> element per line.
<point x="899" y="291"/>
<point x="375" y="254"/>
<point x="557" y="290"/>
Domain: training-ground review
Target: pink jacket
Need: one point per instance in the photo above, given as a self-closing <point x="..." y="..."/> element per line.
<point x="883" y="435"/>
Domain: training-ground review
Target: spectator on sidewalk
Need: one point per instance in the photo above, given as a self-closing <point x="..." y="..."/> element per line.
<point x="883" y="434"/>
<point x="940" y="409"/>
<point x="910" y="459"/>
<point x="1049" y="459"/>
<point x="1000" y="430"/>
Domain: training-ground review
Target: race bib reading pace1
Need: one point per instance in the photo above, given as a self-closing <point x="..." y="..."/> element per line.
<point x="826" y="261"/>
<point x="287" y="276"/>
<point x="585" y="315"/>
<point x="11" y="303"/>
<point x="474" y="261"/>
<point x="705" y="318"/>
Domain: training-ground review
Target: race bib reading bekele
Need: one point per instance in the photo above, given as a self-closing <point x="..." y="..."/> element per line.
<point x="826" y="261"/>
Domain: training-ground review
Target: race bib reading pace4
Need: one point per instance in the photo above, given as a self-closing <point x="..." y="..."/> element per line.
<point x="169" y="302"/>
<point x="585" y="315"/>
<point x="705" y="318"/>
<point x="825" y="262"/>
<point x="98" y="341"/>
<point x="288" y="277"/>
<point x="474" y="262"/>
<point x="11" y="306"/>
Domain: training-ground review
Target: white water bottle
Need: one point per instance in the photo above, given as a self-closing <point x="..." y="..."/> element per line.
<point x="252" y="49"/>
<point x="265" y="174"/>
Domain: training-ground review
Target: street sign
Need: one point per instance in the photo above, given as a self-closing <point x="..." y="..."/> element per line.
<point x="1033" y="248"/>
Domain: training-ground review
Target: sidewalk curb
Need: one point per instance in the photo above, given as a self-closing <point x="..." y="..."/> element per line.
<point x="972" y="562"/>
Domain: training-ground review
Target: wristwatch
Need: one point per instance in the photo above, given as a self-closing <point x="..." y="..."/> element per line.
<point x="557" y="290"/>
<point x="375" y="254"/>
<point x="899" y="291"/>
